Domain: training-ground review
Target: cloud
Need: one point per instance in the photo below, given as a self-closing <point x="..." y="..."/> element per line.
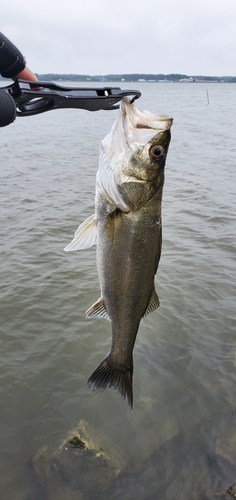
<point x="92" y="37"/>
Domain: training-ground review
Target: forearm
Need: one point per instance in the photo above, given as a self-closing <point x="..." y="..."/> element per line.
<point x="26" y="74"/>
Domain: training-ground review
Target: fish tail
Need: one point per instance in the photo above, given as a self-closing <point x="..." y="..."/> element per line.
<point x="108" y="376"/>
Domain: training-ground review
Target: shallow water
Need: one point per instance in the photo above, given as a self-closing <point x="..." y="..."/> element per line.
<point x="185" y="353"/>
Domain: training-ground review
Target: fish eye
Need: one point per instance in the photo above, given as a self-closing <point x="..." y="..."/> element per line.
<point x="156" y="152"/>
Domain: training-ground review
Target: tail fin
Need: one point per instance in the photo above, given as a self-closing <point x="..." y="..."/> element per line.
<point x="106" y="376"/>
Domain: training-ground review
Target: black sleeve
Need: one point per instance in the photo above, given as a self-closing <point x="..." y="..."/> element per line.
<point x="11" y="60"/>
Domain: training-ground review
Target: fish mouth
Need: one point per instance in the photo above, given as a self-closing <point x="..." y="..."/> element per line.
<point x="131" y="128"/>
<point x="140" y="127"/>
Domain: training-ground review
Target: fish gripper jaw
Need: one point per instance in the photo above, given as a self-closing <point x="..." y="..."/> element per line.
<point x="32" y="98"/>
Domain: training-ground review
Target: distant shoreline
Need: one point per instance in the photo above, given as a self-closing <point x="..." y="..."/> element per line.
<point x="134" y="77"/>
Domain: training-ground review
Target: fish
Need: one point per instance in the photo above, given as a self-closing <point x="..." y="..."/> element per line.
<point x="127" y="229"/>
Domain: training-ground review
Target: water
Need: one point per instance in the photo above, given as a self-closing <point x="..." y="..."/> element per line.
<point x="185" y="353"/>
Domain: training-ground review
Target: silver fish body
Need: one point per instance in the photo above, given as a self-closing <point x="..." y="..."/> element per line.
<point x="127" y="230"/>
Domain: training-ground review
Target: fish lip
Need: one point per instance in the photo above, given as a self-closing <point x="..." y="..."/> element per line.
<point x="132" y="178"/>
<point x="137" y="124"/>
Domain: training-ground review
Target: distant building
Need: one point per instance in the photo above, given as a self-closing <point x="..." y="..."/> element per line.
<point x="187" y="80"/>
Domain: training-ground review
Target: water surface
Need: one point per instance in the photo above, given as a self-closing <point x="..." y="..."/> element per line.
<point x="185" y="353"/>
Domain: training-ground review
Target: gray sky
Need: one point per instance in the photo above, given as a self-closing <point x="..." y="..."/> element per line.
<point x="124" y="36"/>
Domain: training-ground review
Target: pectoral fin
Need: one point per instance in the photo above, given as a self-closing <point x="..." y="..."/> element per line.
<point x="85" y="236"/>
<point x="97" y="309"/>
<point x="153" y="304"/>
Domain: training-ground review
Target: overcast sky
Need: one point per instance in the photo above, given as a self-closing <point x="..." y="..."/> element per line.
<point x="124" y="36"/>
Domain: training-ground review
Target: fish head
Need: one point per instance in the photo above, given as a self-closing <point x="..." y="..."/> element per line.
<point x="145" y="162"/>
<point x="134" y="152"/>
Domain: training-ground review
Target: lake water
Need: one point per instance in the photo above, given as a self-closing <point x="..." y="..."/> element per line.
<point x="170" y="445"/>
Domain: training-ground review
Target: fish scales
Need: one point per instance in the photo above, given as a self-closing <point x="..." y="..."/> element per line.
<point x="127" y="230"/>
<point x="135" y="249"/>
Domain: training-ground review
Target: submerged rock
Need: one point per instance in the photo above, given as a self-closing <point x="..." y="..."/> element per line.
<point x="194" y="466"/>
<point x="200" y="465"/>
<point x="82" y="465"/>
<point x="232" y="490"/>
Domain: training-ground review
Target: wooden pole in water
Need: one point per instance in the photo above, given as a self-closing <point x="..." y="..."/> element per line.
<point x="208" y="102"/>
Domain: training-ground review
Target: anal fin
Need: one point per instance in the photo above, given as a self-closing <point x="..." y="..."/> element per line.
<point x="153" y="304"/>
<point x="97" y="310"/>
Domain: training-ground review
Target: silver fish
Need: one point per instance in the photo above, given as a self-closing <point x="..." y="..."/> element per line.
<point x="126" y="227"/>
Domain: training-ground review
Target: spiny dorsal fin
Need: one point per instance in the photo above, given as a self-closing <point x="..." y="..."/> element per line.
<point x="97" y="309"/>
<point x="85" y="236"/>
<point x="153" y="304"/>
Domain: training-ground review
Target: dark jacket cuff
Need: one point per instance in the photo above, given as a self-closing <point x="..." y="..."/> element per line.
<point x="11" y="60"/>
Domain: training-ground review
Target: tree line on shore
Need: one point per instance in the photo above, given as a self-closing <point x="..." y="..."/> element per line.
<point x="132" y="77"/>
